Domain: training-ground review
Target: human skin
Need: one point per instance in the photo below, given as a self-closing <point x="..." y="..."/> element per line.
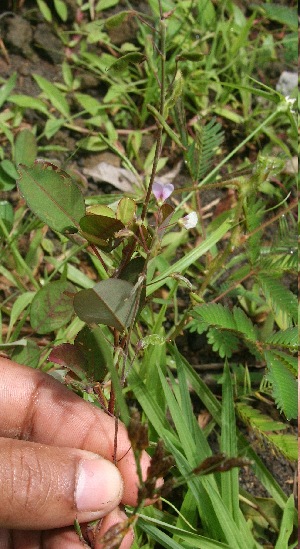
<point x="51" y="444"/>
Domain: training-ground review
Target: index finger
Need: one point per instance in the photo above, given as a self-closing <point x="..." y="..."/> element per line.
<point x="36" y="407"/>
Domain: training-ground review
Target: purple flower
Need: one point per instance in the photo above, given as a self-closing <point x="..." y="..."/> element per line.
<point x="162" y="191"/>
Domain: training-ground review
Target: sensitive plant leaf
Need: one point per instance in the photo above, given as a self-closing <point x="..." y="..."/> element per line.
<point x="201" y="152"/>
<point x="284" y="385"/>
<point x="279" y="297"/>
<point x="110" y="302"/>
<point x="52" y="195"/>
<point x="223" y="343"/>
<point x="25" y="148"/>
<point x="217" y="315"/>
<point x="290" y="361"/>
<point x="286" y="443"/>
<point x="244" y="324"/>
<point x="285" y="338"/>
<point x="54" y="95"/>
<point x="51" y="308"/>
<point x="271" y="431"/>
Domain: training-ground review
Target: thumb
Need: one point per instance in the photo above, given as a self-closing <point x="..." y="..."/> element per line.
<point x="45" y="487"/>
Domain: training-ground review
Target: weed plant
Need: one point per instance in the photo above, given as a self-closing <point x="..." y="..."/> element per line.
<point x="107" y="283"/>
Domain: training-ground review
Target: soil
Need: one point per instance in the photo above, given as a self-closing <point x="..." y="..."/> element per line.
<point x="29" y="46"/>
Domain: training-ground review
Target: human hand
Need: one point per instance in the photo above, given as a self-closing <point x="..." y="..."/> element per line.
<point x="51" y="471"/>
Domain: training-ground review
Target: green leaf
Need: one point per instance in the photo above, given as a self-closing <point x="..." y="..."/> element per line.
<point x="6" y="181"/>
<point x="116" y="20"/>
<point x="89" y="103"/>
<point x="18" y="307"/>
<point x="29" y="354"/>
<point x="52" y="126"/>
<point x="223" y="343"/>
<point x="202" y="151"/>
<point x="88" y="358"/>
<point x="6" y="215"/>
<point x="126" y="210"/>
<point x="51" y="308"/>
<point x="110" y="302"/>
<point x="61" y="9"/>
<point x="285" y="15"/>
<point x="244" y="324"/>
<point x="97" y="350"/>
<point x="105" y="4"/>
<point x="100" y="229"/>
<point x="6" y="89"/>
<point x="44" y="9"/>
<point x="229" y="480"/>
<point x="122" y="63"/>
<point x="52" y="195"/>
<point x="27" y="102"/>
<point x="285" y="338"/>
<point x="54" y="95"/>
<point x="8" y="167"/>
<point x="25" y="148"/>
<point x="272" y="431"/>
<point x="279" y="297"/>
<point x="284" y="384"/>
<point x="286" y="527"/>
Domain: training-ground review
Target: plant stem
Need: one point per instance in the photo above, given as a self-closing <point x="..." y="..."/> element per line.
<point x="162" y="27"/>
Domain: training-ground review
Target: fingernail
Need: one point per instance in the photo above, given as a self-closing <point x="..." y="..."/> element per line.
<point x="99" y="486"/>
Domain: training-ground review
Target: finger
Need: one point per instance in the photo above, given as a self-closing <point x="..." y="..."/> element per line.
<point x="64" y="538"/>
<point x="45" y="487"/>
<point x="26" y="540"/>
<point x="35" y="406"/>
<point x="124" y="534"/>
<point x="5" y="539"/>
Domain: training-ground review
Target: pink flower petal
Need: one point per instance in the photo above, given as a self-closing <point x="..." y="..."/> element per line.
<point x="162" y="191"/>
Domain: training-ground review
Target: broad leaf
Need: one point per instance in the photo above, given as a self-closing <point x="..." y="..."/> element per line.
<point x="100" y="230"/>
<point x="52" y="196"/>
<point x="110" y="302"/>
<point x="51" y="308"/>
<point x="126" y="210"/>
